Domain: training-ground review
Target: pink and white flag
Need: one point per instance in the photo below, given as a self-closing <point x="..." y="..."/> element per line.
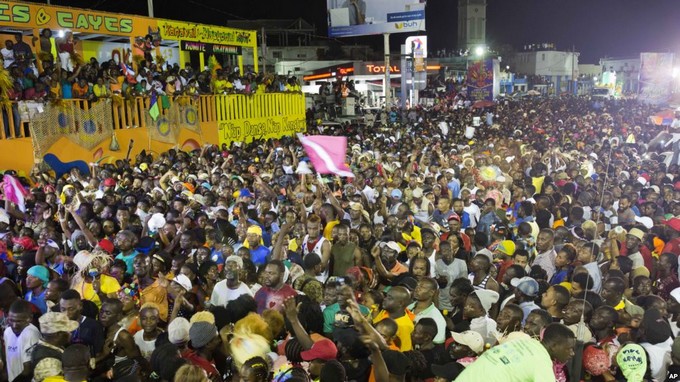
<point x="15" y="192"/>
<point x="327" y="154"/>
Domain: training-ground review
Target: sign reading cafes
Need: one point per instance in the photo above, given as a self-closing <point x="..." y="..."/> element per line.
<point x="26" y="15"/>
<point x="38" y="16"/>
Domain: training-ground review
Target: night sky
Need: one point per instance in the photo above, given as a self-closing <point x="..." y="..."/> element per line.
<point x="596" y="28"/>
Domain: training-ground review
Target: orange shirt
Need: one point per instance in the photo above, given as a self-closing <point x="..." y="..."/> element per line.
<point x="405" y="327"/>
<point x="399" y="268"/>
<point x="157" y="294"/>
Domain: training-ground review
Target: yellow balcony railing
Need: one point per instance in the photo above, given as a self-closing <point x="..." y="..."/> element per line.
<point x="132" y="112"/>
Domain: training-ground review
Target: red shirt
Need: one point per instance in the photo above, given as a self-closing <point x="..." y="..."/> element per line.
<point x="268" y="298"/>
<point x="504" y="267"/>
<point x="673" y="246"/>
<point x="203" y="363"/>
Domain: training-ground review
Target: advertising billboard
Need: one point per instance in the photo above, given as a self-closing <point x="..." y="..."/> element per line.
<point x="480" y="80"/>
<point x="367" y="17"/>
<point x="655" y="78"/>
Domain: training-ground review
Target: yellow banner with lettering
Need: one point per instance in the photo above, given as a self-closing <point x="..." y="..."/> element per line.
<point x="177" y="30"/>
<point x="39" y="16"/>
<point x="242" y="118"/>
<point x="246" y="130"/>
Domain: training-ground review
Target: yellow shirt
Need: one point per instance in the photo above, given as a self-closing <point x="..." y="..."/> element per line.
<point x="100" y="90"/>
<point x="108" y="285"/>
<point x="220" y="86"/>
<point x="405" y="327"/>
<point x="415" y="235"/>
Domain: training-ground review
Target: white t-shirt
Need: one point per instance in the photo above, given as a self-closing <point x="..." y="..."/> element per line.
<point x="145" y="347"/>
<point x="222" y="294"/>
<point x="8" y="57"/>
<point x="474" y="213"/>
<point x="18" y="349"/>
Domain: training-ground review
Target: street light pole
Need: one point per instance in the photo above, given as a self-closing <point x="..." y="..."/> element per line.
<point x="388" y="89"/>
<point x="150" y="6"/>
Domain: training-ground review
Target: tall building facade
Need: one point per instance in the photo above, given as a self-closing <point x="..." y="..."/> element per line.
<point x="471" y="23"/>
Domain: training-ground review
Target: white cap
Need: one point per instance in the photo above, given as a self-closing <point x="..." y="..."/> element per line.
<point x="183" y="281"/>
<point x="235" y="258"/>
<point x="471" y="339"/>
<point x="391" y="245"/>
<point x="156" y="222"/>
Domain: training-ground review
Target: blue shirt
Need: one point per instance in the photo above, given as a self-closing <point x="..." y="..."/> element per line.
<point x="528" y="307"/>
<point x="454" y="186"/>
<point x="129" y="260"/>
<point x="260" y="255"/>
<point x="465" y="220"/>
<point x="38" y="301"/>
<point x="66" y="90"/>
<point x="217" y="257"/>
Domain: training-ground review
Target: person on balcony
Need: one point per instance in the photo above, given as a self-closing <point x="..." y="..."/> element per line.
<point x="100" y="90"/>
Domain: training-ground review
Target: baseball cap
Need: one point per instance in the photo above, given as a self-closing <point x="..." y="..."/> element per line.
<point x="507" y="247"/>
<point x="55" y="322"/>
<point x="526" y="285"/>
<point x="323" y="349"/>
<point x="454" y="217"/>
<point x="645" y="221"/>
<point x="391" y="245"/>
<point x="673" y="223"/>
<point x="471" y="339"/>
<point x="183" y="281"/>
<point x="109" y="182"/>
<point x="396" y="193"/>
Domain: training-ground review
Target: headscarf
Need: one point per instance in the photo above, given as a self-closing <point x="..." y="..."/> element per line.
<point x="40" y="272"/>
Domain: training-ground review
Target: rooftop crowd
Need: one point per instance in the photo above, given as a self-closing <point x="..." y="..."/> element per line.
<point x="544" y="248"/>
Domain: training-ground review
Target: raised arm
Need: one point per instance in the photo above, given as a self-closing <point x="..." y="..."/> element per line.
<point x="83" y="227"/>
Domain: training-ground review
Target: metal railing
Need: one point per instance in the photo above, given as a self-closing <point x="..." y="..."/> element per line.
<point x="132" y="112"/>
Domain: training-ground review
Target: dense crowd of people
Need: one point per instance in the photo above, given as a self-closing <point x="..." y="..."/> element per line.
<point x="542" y="246"/>
<point x="41" y="76"/>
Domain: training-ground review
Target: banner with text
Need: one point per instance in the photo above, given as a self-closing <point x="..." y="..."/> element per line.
<point x="655" y="78"/>
<point x="209" y="34"/>
<point x="29" y="15"/>
<point x="193" y="46"/>
<point x="245" y="130"/>
<point x="480" y="83"/>
<point x="363" y="17"/>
